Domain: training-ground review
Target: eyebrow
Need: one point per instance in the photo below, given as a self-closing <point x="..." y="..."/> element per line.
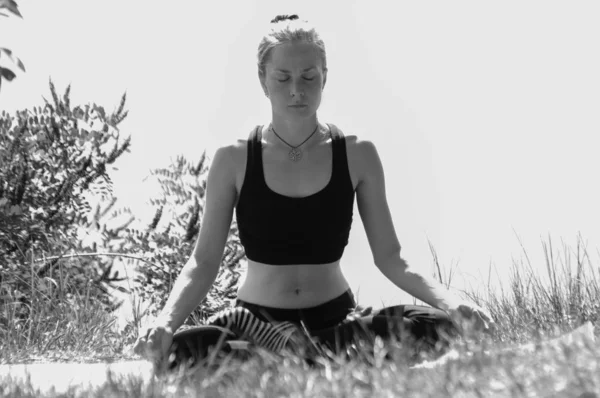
<point x="287" y="71"/>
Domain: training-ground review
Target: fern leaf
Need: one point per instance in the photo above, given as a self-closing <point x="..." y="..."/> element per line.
<point x="121" y="105"/>
<point x="66" y="98"/>
<point x="156" y="218"/>
<point x="120" y="118"/>
<point x="54" y="96"/>
<point x="196" y="172"/>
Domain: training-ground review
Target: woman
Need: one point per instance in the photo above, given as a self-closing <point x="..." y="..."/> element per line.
<point x="292" y="184"/>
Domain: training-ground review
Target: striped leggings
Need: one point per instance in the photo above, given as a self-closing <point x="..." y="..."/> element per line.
<point x="334" y="325"/>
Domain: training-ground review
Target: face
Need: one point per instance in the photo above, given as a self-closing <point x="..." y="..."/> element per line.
<point x="294" y="76"/>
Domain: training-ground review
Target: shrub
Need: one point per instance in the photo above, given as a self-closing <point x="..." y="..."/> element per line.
<point x="166" y="243"/>
<point x="52" y="158"/>
<point x="54" y="163"/>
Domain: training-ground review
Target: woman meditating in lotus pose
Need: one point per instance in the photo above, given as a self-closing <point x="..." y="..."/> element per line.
<point x="292" y="184"/>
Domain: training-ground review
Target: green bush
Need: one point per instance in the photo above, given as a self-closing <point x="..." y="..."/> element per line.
<point x="167" y="242"/>
<point x="52" y="159"/>
<point x="54" y="163"/>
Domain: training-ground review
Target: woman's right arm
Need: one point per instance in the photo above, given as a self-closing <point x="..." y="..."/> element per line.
<point x="201" y="270"/>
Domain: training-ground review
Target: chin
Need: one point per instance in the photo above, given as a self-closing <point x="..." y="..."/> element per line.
<point x="302" y="115"/>
<point x="291" y="113"/>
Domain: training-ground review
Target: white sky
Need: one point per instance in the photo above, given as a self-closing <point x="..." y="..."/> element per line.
<point x="485" y="114"/>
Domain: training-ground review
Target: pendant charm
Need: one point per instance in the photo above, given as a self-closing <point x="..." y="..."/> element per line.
<point x="295" y="155"/>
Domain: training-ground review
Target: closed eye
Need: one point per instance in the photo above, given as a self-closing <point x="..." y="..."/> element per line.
<point x="305" y="78"/>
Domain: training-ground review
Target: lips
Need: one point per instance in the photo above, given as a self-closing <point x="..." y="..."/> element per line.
<point x="298" y="105"/>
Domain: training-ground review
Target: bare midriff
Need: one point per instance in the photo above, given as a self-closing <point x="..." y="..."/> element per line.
<point x="292" y="286"/>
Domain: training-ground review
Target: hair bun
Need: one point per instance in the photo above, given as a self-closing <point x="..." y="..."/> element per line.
<point x="284" y="18"/>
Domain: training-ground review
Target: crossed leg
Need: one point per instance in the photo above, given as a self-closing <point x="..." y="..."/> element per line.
<point x="423" y="328"/>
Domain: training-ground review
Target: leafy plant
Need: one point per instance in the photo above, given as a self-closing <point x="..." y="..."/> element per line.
<point x="166" y="243"/>
<point x="6" y="73"/>
<point x="52" y="159"/>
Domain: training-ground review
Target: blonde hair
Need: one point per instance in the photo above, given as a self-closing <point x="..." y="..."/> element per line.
<point x="285" y="29"/>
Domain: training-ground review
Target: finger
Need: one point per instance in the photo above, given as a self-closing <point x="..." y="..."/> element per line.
<point x="468" y="310"/>
<point x="152" y="338"/>
<point x="458" y="320"/>
<point x="489" y="326"/>
<point x="139" y="346"/>
<point x="492" y="327"/>
<point x="168" y="350"/>
<point x="480" y="322"/>
<point x="142" y="339"/>
<point x="485" y="315"/>
<point x="170" y="355"/>
<point x="152" y="352"/>
<point x="470" y="322"/>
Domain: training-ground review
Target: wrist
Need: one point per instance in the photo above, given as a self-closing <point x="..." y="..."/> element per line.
<point x="166" y="321"/>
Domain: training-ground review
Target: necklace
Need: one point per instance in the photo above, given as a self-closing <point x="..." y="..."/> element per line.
<point x="295" y="154"/>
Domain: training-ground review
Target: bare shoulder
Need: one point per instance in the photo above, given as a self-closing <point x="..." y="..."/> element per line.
<point x="235" y="152"/>
<point x="362" y="155"/>
<point x="237" y="155"/>
<point x="239" y="148"/>
<point x="357" y="146"/>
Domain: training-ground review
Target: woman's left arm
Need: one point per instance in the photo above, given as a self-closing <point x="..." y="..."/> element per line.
<point x="385" y="247"/>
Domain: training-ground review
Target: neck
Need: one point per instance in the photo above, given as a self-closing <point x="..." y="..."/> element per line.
<point x="294" y="132"/>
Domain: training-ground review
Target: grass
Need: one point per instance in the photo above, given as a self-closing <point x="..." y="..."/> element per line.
<point x="532" y="307"/>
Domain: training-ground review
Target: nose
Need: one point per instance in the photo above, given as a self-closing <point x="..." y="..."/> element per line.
<point x="297" y="89"/>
